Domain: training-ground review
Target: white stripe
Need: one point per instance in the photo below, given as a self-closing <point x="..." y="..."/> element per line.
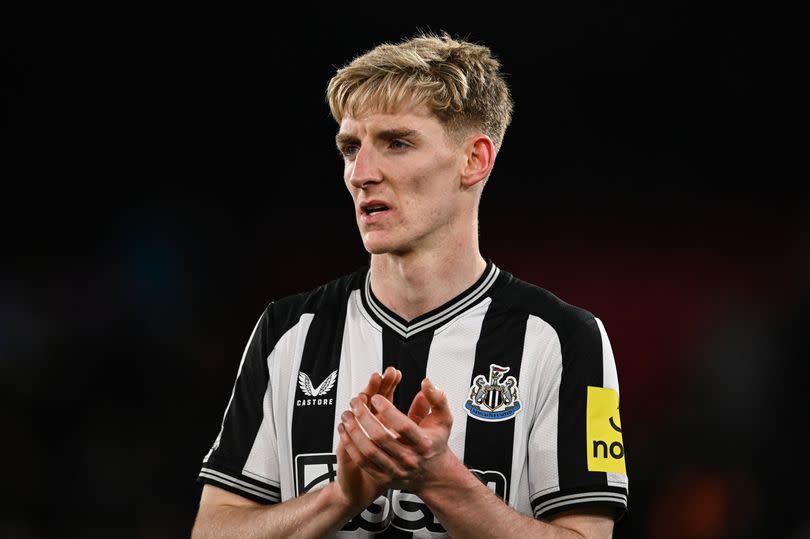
<point x="233" y="391"/>
<point x="237" y="483"/>
<point x="539" y="511"/>
<point x="540" y="378"/>
<point x="437" y="318"/>
<point x="286" y="369"/>
<point x="360" y="355"/>
<point x="450" y="366"/>
<point x="591" y="493"/>
<point x="262" y="460"/>
<point x="580" y="498"/>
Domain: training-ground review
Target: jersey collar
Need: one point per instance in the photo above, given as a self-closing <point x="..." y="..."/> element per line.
<point x="453" y="308"/>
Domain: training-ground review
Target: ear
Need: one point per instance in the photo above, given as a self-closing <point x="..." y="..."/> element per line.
<point x="480" y="156"/>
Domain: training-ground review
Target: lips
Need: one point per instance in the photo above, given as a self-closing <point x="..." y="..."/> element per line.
<point x="372" y="211"/>
<point x="373" y="206"/>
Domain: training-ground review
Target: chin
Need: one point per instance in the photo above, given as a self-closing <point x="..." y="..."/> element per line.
<point x="377" y="248"/>
<point x="381" y="246"/>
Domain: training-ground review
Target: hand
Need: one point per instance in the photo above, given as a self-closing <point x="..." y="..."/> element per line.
<point x="382" y="385"/>
<point x="357" y="486"/>
<point x="396" y="450"/>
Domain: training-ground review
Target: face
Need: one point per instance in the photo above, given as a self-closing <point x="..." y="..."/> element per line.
<point x="403" y="173"/>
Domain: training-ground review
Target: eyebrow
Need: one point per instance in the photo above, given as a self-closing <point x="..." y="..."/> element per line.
<point x="387" y="134"/>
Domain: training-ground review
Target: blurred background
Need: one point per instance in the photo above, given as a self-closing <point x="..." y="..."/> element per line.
<point x="168" y="171"/>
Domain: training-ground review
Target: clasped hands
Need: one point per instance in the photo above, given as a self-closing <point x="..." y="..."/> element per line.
<point x="382" y="448"/>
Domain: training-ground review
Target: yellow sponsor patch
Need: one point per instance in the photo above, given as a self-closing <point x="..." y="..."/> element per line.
<point x="604" y="431"/>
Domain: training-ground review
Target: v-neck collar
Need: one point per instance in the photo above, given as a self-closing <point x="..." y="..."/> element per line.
<point x="453" y="308"/>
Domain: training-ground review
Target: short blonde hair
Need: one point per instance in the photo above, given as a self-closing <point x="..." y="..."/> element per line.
<point x="458" y="80"/>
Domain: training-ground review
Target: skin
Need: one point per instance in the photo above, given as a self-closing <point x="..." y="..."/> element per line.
<point x="314" y="514"/>
<point x="424" y="251"/>
<point x="410" y="452"/>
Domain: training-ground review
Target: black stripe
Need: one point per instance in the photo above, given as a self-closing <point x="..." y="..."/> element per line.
<point x="488" y="445"/>
<point x="245" y="413"/>
<point x="581" y="367"/>
<point x="409" y="356"/>
<point x="313" y="424"/>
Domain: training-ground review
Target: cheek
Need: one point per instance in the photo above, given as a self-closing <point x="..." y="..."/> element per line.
<point x="347" y="174"/>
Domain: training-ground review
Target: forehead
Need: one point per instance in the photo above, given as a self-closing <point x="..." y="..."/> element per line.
<point x="417" y="118"/>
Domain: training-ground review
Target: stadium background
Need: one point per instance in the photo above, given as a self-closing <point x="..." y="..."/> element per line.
<point x="170" y="171"/>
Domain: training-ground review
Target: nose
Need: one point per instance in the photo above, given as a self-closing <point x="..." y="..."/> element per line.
<point x="364" y="169"/>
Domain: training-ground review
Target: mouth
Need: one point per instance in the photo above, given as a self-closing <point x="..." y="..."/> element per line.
<point x="373" y="210"/>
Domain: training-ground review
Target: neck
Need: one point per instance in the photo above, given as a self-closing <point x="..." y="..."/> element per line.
<point x="415" y="283"/>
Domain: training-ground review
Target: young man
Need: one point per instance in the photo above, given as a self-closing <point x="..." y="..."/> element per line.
<point x="497" y="411"/>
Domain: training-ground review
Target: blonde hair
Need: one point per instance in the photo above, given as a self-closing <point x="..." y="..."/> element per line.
<point x="459" y="81"/>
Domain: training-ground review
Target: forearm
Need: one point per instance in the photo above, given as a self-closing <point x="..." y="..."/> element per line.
<point x="314" y="514"/>
<point x="467" y="508"/>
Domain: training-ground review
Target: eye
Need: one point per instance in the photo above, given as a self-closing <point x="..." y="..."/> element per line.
<point x="398" y="144"/>
<point x="348" y="150"/>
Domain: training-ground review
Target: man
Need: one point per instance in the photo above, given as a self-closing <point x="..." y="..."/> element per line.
<point x="496" y="413"/>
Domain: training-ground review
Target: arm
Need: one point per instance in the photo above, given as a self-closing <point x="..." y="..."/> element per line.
<point x="411" y="452"/>
<point x="467" y="508"/>
<point x="314" y="514"/>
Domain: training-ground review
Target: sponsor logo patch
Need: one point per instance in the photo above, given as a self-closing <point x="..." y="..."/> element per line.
<point x="496" y="399"/>
<point x="313" y="471"/>
<point x="318" y="394"/>
<point x="604" y="431"/>
<point x="398" y="508"/>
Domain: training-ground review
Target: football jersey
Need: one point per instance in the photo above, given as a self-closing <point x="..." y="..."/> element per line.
<point x="531" y="382"/>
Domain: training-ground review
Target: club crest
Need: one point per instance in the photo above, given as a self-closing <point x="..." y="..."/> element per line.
<point x="495" y="399"/>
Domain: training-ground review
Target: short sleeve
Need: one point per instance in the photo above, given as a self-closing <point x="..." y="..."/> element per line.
<point x="576" y="450"/>
<point x="244" y="456"/>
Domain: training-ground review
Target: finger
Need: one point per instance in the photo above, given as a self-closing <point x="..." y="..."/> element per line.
<point x="376" y="431"/>
<point x="420" y="408"/>
<point x="399" y="423"/>
<point x="439" y="407"/>
<point x="356" y="456"/>
<point x="389" y="382"/>
<point x="390" y="395"/>
<point x="373" y="385"/>
<point x="373" y="457"/>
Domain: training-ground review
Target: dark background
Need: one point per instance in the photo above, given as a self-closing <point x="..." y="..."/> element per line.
<point x="167" y="172"/>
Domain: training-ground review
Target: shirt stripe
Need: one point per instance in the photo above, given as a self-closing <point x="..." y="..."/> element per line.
<point x="309" y="354"/>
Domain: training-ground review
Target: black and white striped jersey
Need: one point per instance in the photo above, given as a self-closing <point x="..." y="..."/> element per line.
<point x="531" y="382"/>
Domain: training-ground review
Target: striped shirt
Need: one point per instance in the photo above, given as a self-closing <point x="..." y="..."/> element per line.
<point x="530" y="379"/>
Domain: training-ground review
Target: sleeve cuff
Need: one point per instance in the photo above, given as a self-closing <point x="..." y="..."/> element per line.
<point x="258" y="491"/>
<point x="549" y="504"/>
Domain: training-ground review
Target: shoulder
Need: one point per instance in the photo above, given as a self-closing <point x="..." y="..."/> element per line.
<point x="566" y="319"/>
<point x="285" y="311"/>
